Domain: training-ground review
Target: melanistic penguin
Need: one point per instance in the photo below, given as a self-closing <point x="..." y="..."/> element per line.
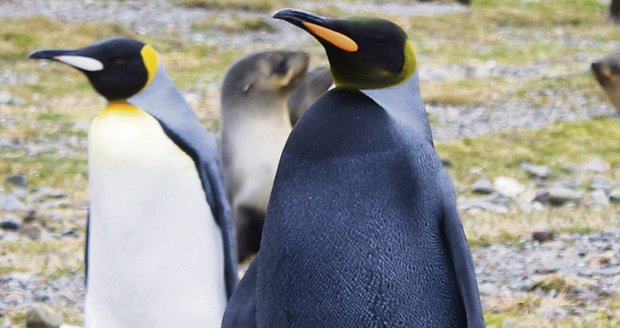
<point x="362" y="228"/>
<point x="254" y="127"/>
<point x="160" y="245"/>
<point x="314" y="85"/>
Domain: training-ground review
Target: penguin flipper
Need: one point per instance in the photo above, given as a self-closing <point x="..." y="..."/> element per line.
<point x="241" y="309"/>
<point x="460" y="254"/>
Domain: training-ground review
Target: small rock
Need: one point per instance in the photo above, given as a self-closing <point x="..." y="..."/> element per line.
<point x="611" y="271"/>
<point x="508" y="186"/>
<point x="542" y="236"/>
<point x="596" y="165"/>
<point x="510" y="323"/>
<point x="537" y="171"/>
<point x="42" y="316"/>
<point x="5" y="97"/>
<point x="562" y="195"/>
<point x="598" y="198"/>
<point x="601" y="182"/>
<point x="614" y="195"/>
<point x="482" y="186"/>
<point x="614" y="231"/>
<point x="17" y="180"/>
<point x="487" y="289"/>
<point x="588" y="297"/>
<point x="10" y="223"/>
<point x="471" y="204"/>
<point x="32" y="229"/>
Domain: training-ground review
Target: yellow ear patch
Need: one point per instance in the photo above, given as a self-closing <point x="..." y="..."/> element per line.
<point x="149" y="56"/>
<point x="337" y="39"/>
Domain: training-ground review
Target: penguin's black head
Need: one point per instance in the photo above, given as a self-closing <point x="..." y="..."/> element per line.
<point x="117" y="68"/>
<point x="363" y="52"/>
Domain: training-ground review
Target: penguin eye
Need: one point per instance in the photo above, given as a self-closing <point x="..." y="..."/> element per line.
<point x="118" y="61"/>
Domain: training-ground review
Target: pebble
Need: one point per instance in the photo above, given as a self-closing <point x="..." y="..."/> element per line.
<point x="598" y="198"/>
<point x="542" y="236"/>
<point x="614" y="195"/>
<point x="601" y="182"/>
<point x="561" y="195"/>
<point x="17" y="180"/>
<point x="482" y="186"/>
<point x="10" y="223"/>
<point x="508" y="186"/>
<point x="42" y="316"/>
<point x="537" y="171"/>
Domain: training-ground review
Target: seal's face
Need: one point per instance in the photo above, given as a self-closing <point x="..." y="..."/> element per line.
<point x="280" y="71"/>
<point x="607" y="71"/>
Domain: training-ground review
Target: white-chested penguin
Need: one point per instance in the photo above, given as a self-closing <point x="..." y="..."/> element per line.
<point x="254" y="127"/>
<point x="160" y="247"/>
<point x="362" y="228"/>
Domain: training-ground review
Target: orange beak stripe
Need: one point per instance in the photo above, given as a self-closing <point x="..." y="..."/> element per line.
<point x="337" y="39"/>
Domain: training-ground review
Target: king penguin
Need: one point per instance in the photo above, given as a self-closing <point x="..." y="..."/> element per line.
<point x="160" y="240"/>
<point x="254" y="127"/>
<point x="362" y="228"/>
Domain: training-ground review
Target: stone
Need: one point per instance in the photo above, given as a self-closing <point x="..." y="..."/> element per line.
<point x="482" y="186"/>
<point x="536" y="171"/>
<point x="601" y="183"/>
<point x="561" y="195"/>
<point x="10" y="223"/>
<point x="614" y="195"/>
<point x="32" y="230"/>
<point x="17" y="180"/>
<point x="42" y="316"/>
<point x="598" y="198"/>
<point x="471" y="204"/>
<point x="5" y="97"/>
<point x="508" y="186"/>
<point x="487" y="289"/>
<point x="542" y="236"/>
<point x="446" y="163"/>
<point x="596" y="165"/>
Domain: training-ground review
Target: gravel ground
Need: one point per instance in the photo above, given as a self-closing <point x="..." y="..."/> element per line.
<point x="590" y="263"/>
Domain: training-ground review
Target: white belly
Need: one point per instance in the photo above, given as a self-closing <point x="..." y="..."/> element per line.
<point x="155" y="251"/>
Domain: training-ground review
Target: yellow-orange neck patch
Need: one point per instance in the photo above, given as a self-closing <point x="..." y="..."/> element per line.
<point x="149" y="56"/>
<point x="337" y="39"/>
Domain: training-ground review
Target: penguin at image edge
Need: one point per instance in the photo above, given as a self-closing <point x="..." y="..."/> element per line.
<point x="160" y="249"/>
<point x="362" y="228"/>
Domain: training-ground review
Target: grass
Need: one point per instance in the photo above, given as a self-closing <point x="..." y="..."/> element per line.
<point x="501" y="153"/>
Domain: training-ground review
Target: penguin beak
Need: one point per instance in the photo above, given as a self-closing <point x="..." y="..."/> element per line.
<point x="69" y="57"/>
<point x="320" y="27"/>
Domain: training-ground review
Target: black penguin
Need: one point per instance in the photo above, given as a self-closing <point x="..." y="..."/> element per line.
<point x="362" y="228"/>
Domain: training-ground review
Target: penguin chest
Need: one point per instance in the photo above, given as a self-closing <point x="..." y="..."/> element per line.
<point x="155" y="251"/>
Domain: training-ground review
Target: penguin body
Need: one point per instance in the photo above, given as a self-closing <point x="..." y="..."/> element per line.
<point x="254" y="127"/>
<point x="607" y="72"/>
<point x="160" y="241"/>
<point x="362" y="228"/>
<point x="314" y="84"/>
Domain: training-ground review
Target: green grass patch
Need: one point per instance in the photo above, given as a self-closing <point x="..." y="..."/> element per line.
<point x="502" y="153"/>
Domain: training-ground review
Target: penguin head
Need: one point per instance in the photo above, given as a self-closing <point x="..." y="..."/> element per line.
<point x="117" y="68"/>
<point x="363" y="52"/>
